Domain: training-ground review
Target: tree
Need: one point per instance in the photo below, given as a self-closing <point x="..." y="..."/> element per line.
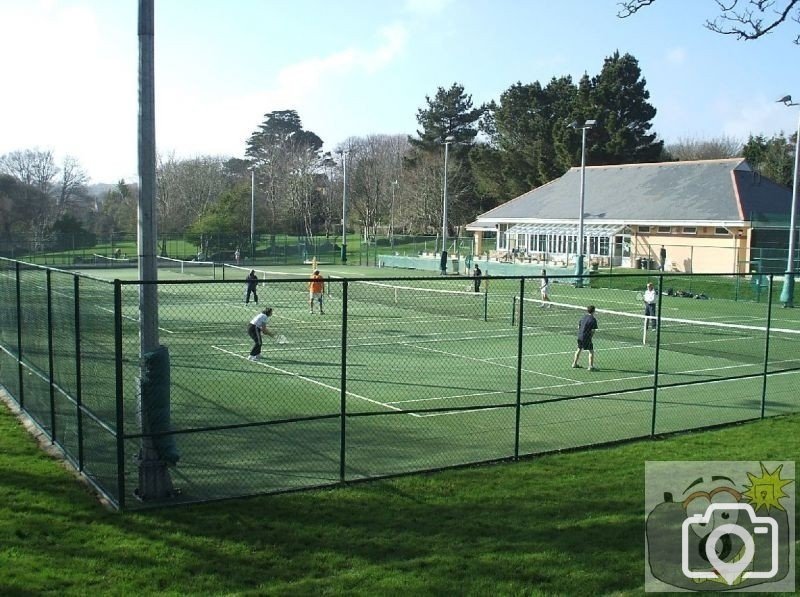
<point x="18" y="205"/>
<point x="449" y="115"/>
<point x="750" y="20"/>
<point x="286" y="158"/>
<point x="686" y="149"/>
<point x="774" y="157"/>
<point x="72" y="183"/>
<point x="617" y="99"/>
<point x="186" y="189"/>
<point x="376" y="161"/>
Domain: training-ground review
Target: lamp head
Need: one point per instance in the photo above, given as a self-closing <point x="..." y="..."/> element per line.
<point x="589" y="123"/>
<point x="786" y="100"/>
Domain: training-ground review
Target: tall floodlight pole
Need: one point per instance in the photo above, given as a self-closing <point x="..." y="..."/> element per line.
<point x="443" y="262"/>
<point x="154" y="478"/>
<point x="344" y="206"/>
<point x="787" y="293"/>
<point x="579" y="261"/>
<point x="147" y="221"/>
<point x="253" y="214"/>
<point x="391" y="220"/>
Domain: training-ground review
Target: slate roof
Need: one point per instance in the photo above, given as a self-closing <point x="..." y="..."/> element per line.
<point x="725" y="190"/>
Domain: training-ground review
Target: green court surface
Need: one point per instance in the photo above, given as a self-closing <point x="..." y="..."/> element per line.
<point x="429" y="373"/>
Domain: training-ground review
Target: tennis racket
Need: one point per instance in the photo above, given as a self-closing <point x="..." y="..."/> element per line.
<point x="639" y="297"/>
<point x="280" y="339"/>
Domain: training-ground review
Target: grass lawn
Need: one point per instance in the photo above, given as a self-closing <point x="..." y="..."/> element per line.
<point x="567" y="523"/>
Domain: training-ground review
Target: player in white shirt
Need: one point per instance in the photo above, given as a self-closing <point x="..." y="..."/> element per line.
<point x="257" y="327"/>
<point x="544" y="289"/>
<point x="649" y="297"/>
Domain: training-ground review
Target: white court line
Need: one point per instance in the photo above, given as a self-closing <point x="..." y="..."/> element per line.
<point x="314" y="381"/>
<point x="476" y="359"/>
<point x="130" y="318"/>
<point x="578" y="382"/>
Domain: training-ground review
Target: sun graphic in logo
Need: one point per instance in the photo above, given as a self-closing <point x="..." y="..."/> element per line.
<point x="766" y="491"/>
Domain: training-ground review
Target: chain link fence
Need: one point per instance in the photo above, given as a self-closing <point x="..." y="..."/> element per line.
<point x="386" y="376"/>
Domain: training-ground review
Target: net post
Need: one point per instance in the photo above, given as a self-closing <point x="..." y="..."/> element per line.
<point x="120" y="404"/>
<point x="514" y="310"/>
<point x="485" y="306"/>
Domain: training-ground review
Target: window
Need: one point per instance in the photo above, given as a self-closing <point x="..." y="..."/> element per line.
<point x="644" y="229"/>
<point x="690" y="229"/>
<point x="720" y="231"/>
<point x="664" y="229"/>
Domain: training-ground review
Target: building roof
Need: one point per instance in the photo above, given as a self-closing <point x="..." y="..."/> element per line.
<point x="725" y="190"/>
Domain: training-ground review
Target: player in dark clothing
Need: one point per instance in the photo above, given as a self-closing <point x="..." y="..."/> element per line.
<point x="586" y="328"/>
<point x="252" y="287"/>
<point x="477" y="274"/>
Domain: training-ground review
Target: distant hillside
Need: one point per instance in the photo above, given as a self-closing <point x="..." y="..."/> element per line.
<point x="99" y="189"/>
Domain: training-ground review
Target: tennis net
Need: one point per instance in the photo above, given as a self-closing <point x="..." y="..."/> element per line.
<point x="437" y="301"/>
<point x="738" y="342"/>
<point x="110" y="261"/>
<point x="205" y="269"/>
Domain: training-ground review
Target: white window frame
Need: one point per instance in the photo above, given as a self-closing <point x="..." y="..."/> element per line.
<point x="718" y="233"/>
<point x="690" y="229"/>
<point x="664" y="229"/>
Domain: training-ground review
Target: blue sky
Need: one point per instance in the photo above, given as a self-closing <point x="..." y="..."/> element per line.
<point x="356" y="67"/>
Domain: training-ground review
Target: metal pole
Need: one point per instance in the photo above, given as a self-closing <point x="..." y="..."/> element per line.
<point x="391" y="220"/>
<point x="443" y="263"/>
<point x="344" y="206"/>
<point x="579" y="264"/>
<point x="787" y="293"/>
<point x="252" y="214"/>
<point x="148" y="293"/>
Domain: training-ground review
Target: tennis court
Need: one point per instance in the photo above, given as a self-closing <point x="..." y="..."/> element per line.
<point x="427" y="372"/>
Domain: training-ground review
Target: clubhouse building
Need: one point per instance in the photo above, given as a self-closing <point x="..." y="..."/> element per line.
<point x="708" y="216"/>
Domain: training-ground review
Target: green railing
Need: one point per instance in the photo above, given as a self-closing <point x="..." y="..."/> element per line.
<point x="398" y="375"/>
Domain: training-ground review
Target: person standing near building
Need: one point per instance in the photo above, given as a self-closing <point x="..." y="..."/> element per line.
<point x="477" y="273"/>
<point x="586" y="327"/>
<point x="649" y="298"/>
<point x="544" y="288"/>
<point x="257" y="327"/>
<point x="663" y="256"/>
<point x="237" y="255"/>
<point x="252" y="287"/>
<point x="316" y="288"/>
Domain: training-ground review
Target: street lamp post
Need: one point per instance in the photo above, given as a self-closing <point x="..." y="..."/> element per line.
<point x="787" y="293"/>
<point x="391" y="220"/>
<point x="579" y="261"/>
<point x="344" y="206"/>
<point x="443" y="262"/>
<point x="252" y="214"/>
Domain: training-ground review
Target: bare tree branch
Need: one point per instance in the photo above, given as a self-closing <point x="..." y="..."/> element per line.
<point x="753" y="20"/>
<point x="743" y="20"/>
<point x="630" y="7"/>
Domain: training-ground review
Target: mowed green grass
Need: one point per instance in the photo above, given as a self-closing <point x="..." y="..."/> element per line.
<point x="562" y="524"/>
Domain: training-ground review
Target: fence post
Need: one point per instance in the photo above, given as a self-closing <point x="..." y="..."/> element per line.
<point x="658" y="352"/>
<point x="19" y="340"/>
<point x="518" y="408"/>
<point x="78" y="385"/>
<point x="120" y="420"/>
<point x="50" y="372"/>
<point x="343" y="395"/>
<point x="766" y="348"/>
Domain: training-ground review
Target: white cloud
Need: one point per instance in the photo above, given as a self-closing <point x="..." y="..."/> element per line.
<point x="759" y="116"/>
<point x="228" y="122"/>
<point x="676" y="56"/>
<point x="70" y="84"/>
